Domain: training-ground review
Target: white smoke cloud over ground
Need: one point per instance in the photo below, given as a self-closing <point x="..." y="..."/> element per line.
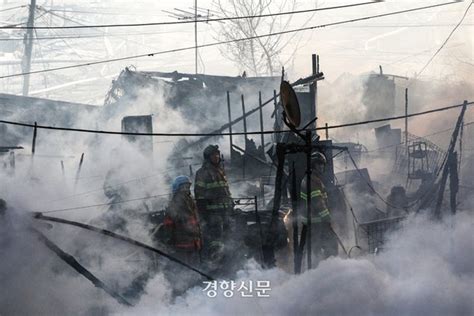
<point x="426" y="269"/>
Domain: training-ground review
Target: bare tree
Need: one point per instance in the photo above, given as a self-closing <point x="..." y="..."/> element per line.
<point x="260" y="56"/>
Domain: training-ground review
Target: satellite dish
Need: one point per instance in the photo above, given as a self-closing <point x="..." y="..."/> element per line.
<point x="290" y="104"/>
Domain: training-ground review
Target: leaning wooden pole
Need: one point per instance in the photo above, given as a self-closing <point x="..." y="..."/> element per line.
<point x="229" y="114"/>
<point x="262" y="139"/>
<point x="73" y="263"/>
<point x="78" y="173"/>
<point x="444" y="177"/>
<point x="129" y="240"/>
<point x="245" y="135"/>
<point x="33" y="144"/>
<point x="453" y="182"/>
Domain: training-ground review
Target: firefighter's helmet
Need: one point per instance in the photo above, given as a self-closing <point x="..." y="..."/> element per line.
<point x="209" y="150"/>
<point x="318" y="158"/>
<point x="179" y="181"/>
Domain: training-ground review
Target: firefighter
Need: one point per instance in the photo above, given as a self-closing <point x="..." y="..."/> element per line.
<point x="182" y="223"/>
<point x="323" y="239"/>
<point x="397" y="202"/>
<point x="214" y="202"/>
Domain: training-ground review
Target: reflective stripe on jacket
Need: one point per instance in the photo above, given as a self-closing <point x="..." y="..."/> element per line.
<point x="319" y="201"/>
<point x="211" y="189"/>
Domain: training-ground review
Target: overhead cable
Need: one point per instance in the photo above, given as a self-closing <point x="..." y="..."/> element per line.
<point x="446" y="41"/>
<point x="191" y="21"/>
<point x="81" y="130"/>
<point x="152" y="54"/>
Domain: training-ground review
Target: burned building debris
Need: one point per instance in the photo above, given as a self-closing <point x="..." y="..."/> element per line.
<point x="174" y="186"/>
<point x="260" y="221"/>
<point x="263" y="219"/>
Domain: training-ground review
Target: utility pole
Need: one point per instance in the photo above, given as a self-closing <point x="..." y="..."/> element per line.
<point x="28" y="41"/>
<point x="196" y="35"/>
<point x="194" y="15"/>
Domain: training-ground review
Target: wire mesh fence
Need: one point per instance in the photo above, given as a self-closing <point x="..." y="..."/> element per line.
<point x="377" y="232"/>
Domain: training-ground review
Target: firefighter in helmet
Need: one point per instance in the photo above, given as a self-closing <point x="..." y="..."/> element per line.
<point x="182" y="223"/>
<point x="323" y="239"/>
<point x="214" y="202"/>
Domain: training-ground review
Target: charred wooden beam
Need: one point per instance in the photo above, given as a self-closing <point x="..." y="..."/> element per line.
<point x="73" y="263"/>
<point x="120" y="237"/>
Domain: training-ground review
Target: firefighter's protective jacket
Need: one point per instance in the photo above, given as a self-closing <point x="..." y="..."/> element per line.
<point x="211" y="189"/>
<point x="319" y="201"/>
<point x="182" y="222"/>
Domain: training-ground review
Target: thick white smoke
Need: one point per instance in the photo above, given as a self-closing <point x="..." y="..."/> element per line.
<point x="426" y="269"/>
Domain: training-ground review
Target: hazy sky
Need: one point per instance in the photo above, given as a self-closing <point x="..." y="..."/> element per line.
<point x="402" y="44"/>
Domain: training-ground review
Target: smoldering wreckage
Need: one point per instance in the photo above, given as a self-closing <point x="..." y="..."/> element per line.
<point x="149" y="219"/>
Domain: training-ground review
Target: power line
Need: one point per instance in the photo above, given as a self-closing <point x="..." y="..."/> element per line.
<point x="193" y="21"/>
<point x="446" y="41"/>
<point x="13" y="8"/>
<point x="225" y="42"/>
<point x="81" y="24"/>
<point x="74" y="36"/>
<point x="418" y="137"/>
<point x="393" y="117"/>
<point x="124" y="201"/>
<point x="81" y="130"/>
<point x="105" y="204"/>
<point x="405" y="25"/>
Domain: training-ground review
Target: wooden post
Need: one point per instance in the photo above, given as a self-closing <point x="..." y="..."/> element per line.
<point x="312" y="89"/>
<point x="230" y="124"/>
<point x="453" y="181"/>
<point x="294" y="217"/>
<point x="442" y="184"/>
<point x="308" y="137"/>
<point x="262" y="139"/>
<point x="316" y="93"/>
<point x="79" y="169"/>
<point x="276" y="124"/>
<point x="12" y="161"/>
<point x="245" y="135"/>
<point x="259" y="224"/>
<point x="327" y="131"/>
<point x="268" y="249"/>
<point x="33" y="145"/>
